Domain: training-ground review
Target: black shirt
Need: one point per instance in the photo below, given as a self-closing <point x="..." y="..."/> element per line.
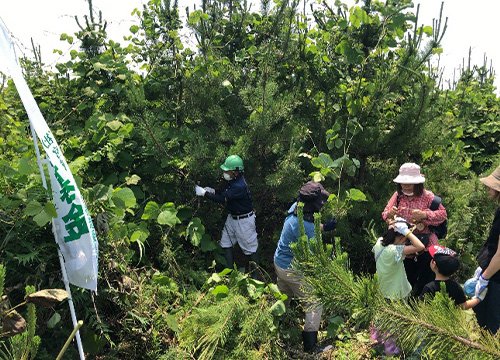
<point x="236" y="196"/>
<point x="454" y="290"/>
<point x="490" y="247"/>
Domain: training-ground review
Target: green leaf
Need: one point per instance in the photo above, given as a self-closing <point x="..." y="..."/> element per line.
<point x="26" y="166"/>
<point x="168" y="217"/>
<point x="317" y="176"/>
<point x="114" y="125"/>
<point x="33" y="208"/>
<point x="356" y="195"/>
<point x="166" y="281"/>
<point x="207" y="244"/>
<point x="172" y="323"/>
<point x="134" y="29"/>
<point x="220" y="291"/>
<point x="427" y="30"/>
<point x="42" y="219"/>
<point x="352" y="54"/>
<point x="54" y="320"/>
<point x="124" y="198"/>
<point x="151" y="211"/>
<point x="50" y="209"/>
<point x="278" y="308"/>
<point x="77" y="164"/>
<point x="139" y="235"/>
<point x="323" y="160"/>
<point x="195" y="231"/>
<point x="358" y="17"/>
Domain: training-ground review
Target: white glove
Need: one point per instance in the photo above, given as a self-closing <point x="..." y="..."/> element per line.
<point x="481" y="295"/>
<point x="199" y="191"/>
<point x="401" y="227"/>
<point x="481" y="285"/>
<point x="209" y="190"/>
<point x="478" y="272"/>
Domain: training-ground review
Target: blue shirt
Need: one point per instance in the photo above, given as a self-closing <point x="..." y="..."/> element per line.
<point x="283" y="255"/>
<point x="236" y="196"/>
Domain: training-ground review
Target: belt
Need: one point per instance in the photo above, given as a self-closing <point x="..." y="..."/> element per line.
<point x="244" y="216"/>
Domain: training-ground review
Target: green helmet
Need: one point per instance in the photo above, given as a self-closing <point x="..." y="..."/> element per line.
<point x="233" y="162"/>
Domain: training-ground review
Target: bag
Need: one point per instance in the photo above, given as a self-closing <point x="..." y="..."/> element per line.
<point x="440" y="230"/>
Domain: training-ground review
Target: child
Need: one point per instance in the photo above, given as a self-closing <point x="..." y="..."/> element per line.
<point x="390" y="251"/>
<point x="444" y="263"/>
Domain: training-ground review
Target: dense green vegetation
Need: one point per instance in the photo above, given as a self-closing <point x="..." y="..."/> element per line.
<point x="342" y="95"/>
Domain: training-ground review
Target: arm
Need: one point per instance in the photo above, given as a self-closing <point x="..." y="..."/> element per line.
<point x="469" y="304"/>
<point x="416" y="245"/>
<point x="494" y="265"/>
<point x="388" y="211"/>
<point x="230" y="193"/>
<point x="435" y="217"/>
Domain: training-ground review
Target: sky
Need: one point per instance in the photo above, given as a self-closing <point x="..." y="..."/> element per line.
<point x="472" y="24"/>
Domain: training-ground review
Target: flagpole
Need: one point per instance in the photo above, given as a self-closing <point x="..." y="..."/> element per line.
<point x="61" y="259"/>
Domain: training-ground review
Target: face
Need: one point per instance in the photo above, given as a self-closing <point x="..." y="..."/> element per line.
<point x="407" y="188"/>
<point x="227" y="175"/>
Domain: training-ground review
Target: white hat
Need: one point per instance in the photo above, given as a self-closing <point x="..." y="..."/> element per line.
<point x="409" y="173"/>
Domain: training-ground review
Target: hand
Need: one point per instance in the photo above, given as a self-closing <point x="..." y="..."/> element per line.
<point x="209" y="190"/>
<point x="418" y="215"/>
<point x="392" y="213"/>
<point x="401" y="227"/>
<point x="481" y="295"/>
<point x="330" y="225"/>
<point x="481" y="285"/>
<point x="199" y="191"/>
<point x="478" y="272"/>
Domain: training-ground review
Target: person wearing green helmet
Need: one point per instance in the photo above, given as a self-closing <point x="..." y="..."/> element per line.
<point x="240" y="222"/>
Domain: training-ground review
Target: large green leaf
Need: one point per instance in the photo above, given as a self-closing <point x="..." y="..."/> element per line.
<point x="357" y="195"/>
<point x="168" y="217"/>
<point x="322" y="161"/>
<point x="151" y="211"/>
<point x="33" y="208"/>
<point x="124" y="198"/>
<point x="139" y="235"/>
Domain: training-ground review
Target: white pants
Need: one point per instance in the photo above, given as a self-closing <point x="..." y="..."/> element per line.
<point x="241" y="231"/>
<point x="292" y="285"/>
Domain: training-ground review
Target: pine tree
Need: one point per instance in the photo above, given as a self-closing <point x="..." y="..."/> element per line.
<point x="430" y="328"/>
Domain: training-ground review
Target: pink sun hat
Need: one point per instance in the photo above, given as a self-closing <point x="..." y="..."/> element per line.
<point x="409" y="173"/>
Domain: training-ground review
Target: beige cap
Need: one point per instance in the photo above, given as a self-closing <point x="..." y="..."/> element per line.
<point x="492" y="181"/>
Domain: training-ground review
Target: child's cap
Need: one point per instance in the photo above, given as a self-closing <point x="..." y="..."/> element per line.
<point x="445" y="258"/>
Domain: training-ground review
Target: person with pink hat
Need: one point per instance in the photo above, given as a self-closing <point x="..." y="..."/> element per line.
<point x="487" y="275"/>
<point x="413" y="202"/>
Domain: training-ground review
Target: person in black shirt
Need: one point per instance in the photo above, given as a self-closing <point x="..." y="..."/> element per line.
<point x="487" y="274"/>
<point x="240" y="223"/>
<point x="444" y="263"/>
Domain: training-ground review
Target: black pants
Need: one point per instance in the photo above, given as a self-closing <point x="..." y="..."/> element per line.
<point x="488" y="310"/>
<point x="419" y="272"/>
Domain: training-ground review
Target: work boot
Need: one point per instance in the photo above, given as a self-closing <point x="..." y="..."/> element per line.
<point x="309" y="339"/>
<point x="228" y="256"/>
<point x="253" y="267"/>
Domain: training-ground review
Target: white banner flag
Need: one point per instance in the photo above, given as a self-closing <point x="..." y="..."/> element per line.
<point x="76" y="236"/>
